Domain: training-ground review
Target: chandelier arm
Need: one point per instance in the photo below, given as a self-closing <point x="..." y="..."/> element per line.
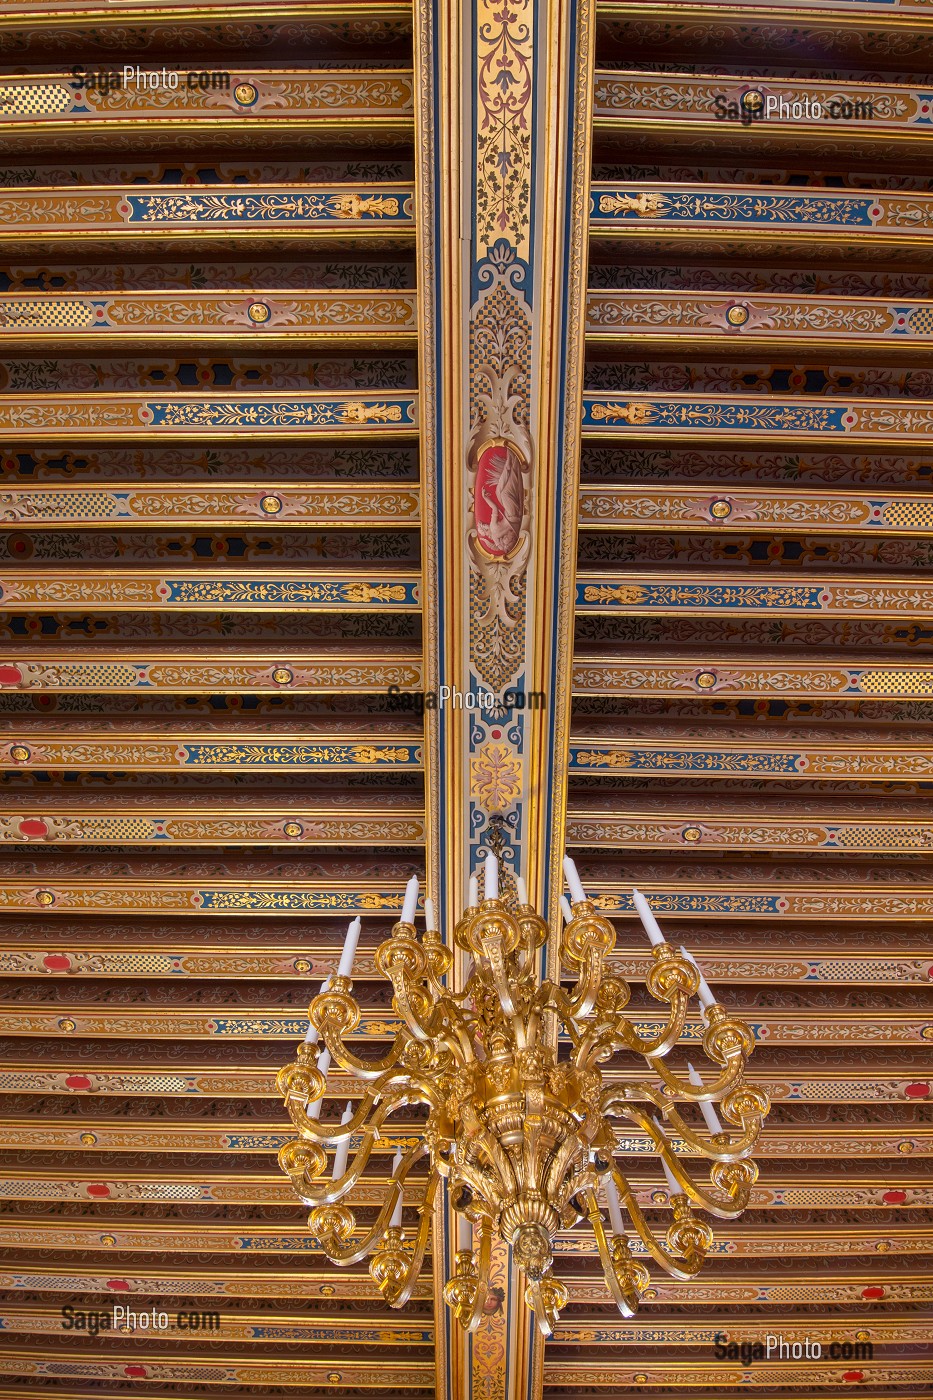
<point x="725" y="1151"/>
<point x="557" y="1170"/>
<point x="738" y="1177"/>
<point x="456" y="1033"/>
<point x="730" y="1147"/>
<point x="582" y="999"/>
<point x="317" y="1193"/>
<point x="624" y="1033"/>
<point x="368" y="1070"/>
<point x="676" y="1267"/>
<point x="402" y="1003"/>
<point x="446" y="1021"/>
<point x="329" y="1134"/>
<point x="396" y="1088"/>
<point x="502" y="1177"/>
<point x="351" y="1253"/>
<point x="402" y="960"/>
<point x="324" y="1133"/>
<point x="534" y="1296"/>
<point x="397" y="1297"/>
<point x="746" y="1106"/>
<point x="621" y="1282"/>
<point x="494" y="953"/>
<point x="730" y="1073"/>
<point x="483" y="1257"/>
<point x="726" y="1206"/>
<point x="591" y="1044"/>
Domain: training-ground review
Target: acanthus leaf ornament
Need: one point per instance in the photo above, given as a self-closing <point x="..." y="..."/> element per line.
<point x="525" y="1132"/>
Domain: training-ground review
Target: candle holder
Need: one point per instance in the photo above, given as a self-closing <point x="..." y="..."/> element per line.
<point x="390" y="1267"/>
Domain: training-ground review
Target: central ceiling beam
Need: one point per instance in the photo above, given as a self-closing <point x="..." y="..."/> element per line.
<point x="504" y="136"/>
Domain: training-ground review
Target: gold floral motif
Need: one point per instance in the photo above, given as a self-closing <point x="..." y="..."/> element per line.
<point x="495" y="777"/>
<point x="370" y="413"/>
<point x="633" y="413"/>
<point x="644" y="204"/>
<point x="614" y="593"/>
<point x="597" y="758"/>
<point x="375" y="593"/>
<point x="354" y="206"/>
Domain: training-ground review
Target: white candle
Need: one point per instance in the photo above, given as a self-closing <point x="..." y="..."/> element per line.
<point x="491" y="877"/>
<point x="345" y="968"/>
<point x="411" y="901"/>
<point x="703" y="991"/>
<point x="464" y="1233"/>
<point x="430" y="919"/>
<point x="710" y="1117"/>
<point x="314" y="1035"/>
<point x="565" y="909"/>
<point x="473" y="896"/>
<point x="397" y="1212"/>
<point x="342" y="1150"/>
<point x="615" y="1209"/>
<point x="522" y="889"/>
<point x="649" y="922"/>
<point x="323" y="1064"/>
<point x="577" y="892"/>
<point x="673" y="1185"/>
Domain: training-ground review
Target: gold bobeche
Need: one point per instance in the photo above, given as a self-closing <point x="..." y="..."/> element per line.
<point x="524" y="1136"/>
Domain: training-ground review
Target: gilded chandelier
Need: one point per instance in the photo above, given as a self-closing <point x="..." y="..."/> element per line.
<point x="524" y="1113"/>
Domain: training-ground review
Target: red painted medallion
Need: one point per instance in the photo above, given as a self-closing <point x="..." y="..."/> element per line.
<point x="499" y="498"/>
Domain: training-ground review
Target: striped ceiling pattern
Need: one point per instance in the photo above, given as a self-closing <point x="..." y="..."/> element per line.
<point x="212" y="428"/>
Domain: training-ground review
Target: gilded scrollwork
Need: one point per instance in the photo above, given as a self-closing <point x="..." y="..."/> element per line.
<point x="522" y="1141"/>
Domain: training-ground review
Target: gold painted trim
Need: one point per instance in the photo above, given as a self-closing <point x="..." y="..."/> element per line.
<point x="875" y="1083"/>
<point x="814" y="1027"/>
<point x="816" y="13"/>
<point x="312" y="958"/>
<point x="660" y="507"/>
<point x="103" y="505"/>
<point x="864" y="1142"/>
<point x="380" y="588"/>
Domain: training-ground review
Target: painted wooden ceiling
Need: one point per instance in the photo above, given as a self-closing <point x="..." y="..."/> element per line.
<point x="211" y="564"/>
